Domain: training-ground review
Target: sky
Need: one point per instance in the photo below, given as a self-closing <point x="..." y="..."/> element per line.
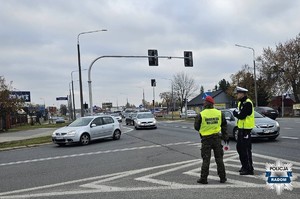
<point x="38" y="51"/>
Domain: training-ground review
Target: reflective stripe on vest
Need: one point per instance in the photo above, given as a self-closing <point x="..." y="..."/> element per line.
<point x="211" y="122"/>
<point x="248" y="122"/>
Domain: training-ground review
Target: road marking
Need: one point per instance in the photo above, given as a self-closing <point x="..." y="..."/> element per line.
<point x="92" y="153"/>
<point x="287" y="137"/>
<point x="158" y="179"/>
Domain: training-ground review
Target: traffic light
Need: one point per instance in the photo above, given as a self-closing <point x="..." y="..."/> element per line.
<point x="153" y="60"/>
<point x="153" y="82"/>
<point x="188" y="58"/>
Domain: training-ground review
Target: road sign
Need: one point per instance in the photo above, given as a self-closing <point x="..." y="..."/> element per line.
<point x="62" y="98"/>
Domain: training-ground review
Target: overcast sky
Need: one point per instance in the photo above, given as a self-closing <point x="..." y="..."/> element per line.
<point x="38" y="49"/>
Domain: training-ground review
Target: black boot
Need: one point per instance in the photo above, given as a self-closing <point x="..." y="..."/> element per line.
<point x="246" y="172"/>
<point x="202" y="181"/>
<point x="223" y="180"/>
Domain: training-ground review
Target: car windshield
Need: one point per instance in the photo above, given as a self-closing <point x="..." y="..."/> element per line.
<point x="145" y="115"/>
<point x="80" y="122"/>
<point x="257" y="115"/>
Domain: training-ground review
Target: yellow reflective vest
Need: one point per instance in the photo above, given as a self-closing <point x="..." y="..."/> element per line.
<point x="248" y="122"/>
<point x="211" y="122"/>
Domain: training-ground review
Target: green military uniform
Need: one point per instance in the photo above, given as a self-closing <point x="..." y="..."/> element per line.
<point x="210" y="122"/>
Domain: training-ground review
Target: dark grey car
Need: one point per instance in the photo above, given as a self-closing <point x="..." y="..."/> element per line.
<point x="264" y="126"/>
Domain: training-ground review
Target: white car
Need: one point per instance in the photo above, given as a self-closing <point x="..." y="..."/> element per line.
<point x="117" y="116"/>
<point x="85" y="129"/>
<point x="144" y="120"/>
<point x="190" y="114"/>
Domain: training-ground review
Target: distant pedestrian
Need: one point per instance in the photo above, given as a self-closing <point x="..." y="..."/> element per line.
<point x="37" y="119"/>
<point x="245" y="123"/>
<point x="279" y="111"/>
<point x="210" y="123"/>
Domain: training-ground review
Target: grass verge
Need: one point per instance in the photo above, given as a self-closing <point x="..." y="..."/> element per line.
<point x="36" y="126"/>
<point x="26" y="143"/>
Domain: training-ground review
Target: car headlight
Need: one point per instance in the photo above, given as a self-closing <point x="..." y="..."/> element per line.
<point x="139" y="122"/>
<point x="71" y="133"/>
<point x="154" y="122"/>
<point x="277" y="124"/>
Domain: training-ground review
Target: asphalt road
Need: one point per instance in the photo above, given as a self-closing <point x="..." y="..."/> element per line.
<point x="160" y="163"/>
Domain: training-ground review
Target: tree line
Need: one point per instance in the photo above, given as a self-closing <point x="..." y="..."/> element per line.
<point x="277" y="73"/>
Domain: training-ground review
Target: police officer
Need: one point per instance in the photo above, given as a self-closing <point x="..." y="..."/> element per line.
<point x="245" y="123"/>
<point x="210" y="122"/>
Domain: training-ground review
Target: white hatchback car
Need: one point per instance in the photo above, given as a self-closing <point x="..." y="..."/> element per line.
<point x="144" y="120"/>
<point x="85" y="129"/>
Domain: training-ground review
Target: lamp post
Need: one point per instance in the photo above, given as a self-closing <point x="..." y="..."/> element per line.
<point x="79" y="68"/>
<point x="74" y="110"/>
<point x="143" y="100"/>
<point x="255" y="88"/>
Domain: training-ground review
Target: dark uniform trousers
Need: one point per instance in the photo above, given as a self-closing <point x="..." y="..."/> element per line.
<point x="212" y="142"/>
<point x="244" y="148"/>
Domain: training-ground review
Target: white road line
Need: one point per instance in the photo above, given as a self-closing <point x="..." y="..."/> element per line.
<point x="99" y="185"/>
<point x="292" y="138"/>
<point x="92" y="153"/>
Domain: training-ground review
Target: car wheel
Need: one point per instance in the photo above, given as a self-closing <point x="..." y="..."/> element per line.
<point x="117" y="135"/>
<point x="126" y="123"/>
<point x="235" y="133"/>
<point x="84" y="139"/>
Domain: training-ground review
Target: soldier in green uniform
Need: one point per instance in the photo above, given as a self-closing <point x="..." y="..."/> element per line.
<point x="209" y="123"/>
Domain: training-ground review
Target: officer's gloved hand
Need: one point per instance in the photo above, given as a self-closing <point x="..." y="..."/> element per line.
<point x="235" y="112"/>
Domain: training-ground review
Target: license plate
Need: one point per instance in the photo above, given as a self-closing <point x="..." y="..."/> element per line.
<point x="268" y="131"/>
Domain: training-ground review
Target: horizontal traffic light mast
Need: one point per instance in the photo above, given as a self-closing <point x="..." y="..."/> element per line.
<point x="152" y="57"/>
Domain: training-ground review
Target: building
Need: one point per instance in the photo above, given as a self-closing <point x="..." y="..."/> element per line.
<point x="222" y="100"/>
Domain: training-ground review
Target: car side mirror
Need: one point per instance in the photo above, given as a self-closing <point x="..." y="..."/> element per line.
<point x="93" y="125"/>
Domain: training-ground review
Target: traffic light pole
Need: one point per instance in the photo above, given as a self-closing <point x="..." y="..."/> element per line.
<point x="119" y="56"/>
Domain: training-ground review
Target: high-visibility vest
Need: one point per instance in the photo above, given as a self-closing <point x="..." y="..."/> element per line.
<point x="211" y="122"/>
<point x="248" y="122"/>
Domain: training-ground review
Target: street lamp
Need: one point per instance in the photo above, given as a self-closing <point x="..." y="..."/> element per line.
<point x="143" y="100"/>
<point x="255" y="88"/>
<point x="79" y="68"/>
<point x="74" y="112"/>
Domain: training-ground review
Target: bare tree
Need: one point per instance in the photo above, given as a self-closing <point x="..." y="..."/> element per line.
<point x="281" y="67"/>
<point x="167" y="98"/>
<point x="245" y="78"/>
<point x="184" y="86"/>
